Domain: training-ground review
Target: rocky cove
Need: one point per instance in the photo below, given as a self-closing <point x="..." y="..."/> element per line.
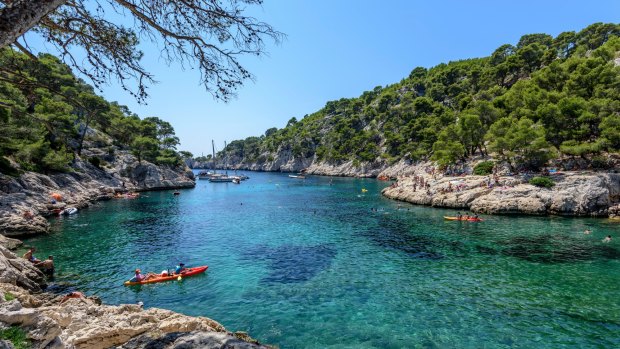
<point x="57" y="321"/>
<point x="576" y="193"/>
<point x="52" y="321"/>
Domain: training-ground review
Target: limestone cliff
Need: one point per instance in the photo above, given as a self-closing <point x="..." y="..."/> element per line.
<point x="574" y="194"/>
<point x="26" y="200"/>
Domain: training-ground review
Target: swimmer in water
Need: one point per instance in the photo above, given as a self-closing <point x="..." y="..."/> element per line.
<point x="607" y="238"/>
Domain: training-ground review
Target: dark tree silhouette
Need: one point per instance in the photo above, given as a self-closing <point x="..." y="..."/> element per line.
<point x="210" y="35"/>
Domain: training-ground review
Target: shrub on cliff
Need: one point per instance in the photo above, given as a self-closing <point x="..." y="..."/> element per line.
<point x="95" y="161"/>
<point x="543" y="182"/>
<point x="484" y="168"/>
<point x="17" y="336"/>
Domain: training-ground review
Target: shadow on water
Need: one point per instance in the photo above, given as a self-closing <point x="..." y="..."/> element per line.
<point x="551" y="249"/>
<point x="291" y="264"/>
<point x="392" y="234"/>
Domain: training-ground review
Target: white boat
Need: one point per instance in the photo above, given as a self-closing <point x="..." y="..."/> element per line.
<point x="220" y="178"/>
<point x="297" y="176"/>
<point x="236" y="180"/>
<point x="69" y="211"/>
<point x="204" y="174"/>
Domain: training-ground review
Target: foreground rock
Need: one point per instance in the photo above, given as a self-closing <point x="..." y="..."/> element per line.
<point x="575" y="194"/>
<point x="84" y="323"/>
<point x="26" y="201"/>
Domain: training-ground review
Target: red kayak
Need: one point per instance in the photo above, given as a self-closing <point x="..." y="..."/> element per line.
<point x="161" y="278"/>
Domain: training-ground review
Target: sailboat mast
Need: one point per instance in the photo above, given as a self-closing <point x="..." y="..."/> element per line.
<point x="213" y="159"/>
<point x="225" y="160"/>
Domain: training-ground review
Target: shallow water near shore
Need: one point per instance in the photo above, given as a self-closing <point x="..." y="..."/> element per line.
<point x="307" y="264"/>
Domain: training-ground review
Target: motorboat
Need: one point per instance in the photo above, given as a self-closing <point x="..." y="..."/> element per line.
<point x="69" y="211"/>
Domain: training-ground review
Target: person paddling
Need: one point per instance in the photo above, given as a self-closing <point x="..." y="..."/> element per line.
<point x="180" y="268"/>
<point x="139" y="277"/>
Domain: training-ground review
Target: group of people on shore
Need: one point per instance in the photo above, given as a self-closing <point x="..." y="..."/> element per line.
<point x="421" y="183"/>
<point x="46" y="265"/>
<point x="128" y="195"/>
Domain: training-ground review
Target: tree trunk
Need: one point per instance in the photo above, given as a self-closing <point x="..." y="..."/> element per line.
<point x="88" y="119"/>
<point x="20" y="16"/>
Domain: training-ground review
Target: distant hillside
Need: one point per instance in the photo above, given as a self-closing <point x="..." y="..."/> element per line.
<point x="526" y="103"/>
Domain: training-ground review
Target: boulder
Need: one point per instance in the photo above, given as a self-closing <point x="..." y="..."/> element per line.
<point x="18" y="271"/>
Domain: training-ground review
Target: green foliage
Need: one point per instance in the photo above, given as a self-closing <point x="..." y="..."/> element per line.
<point x="600" y="162"/>
<point x="523" y="103"/>
<point x="484" y="168"/>
<point x="47" y="115"/>
<point x="543" y="182"/>
<point x="17" y="336"/>
<point x="447" y="150"/>
<point x="145" y="148"/>
<point x="9" y="296"/>
<point x="519" y="142"/>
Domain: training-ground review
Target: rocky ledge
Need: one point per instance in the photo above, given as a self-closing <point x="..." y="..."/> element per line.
<point x="25" y="201"/>
<point x="57" y="321"/>
<point x="574" y="193"/>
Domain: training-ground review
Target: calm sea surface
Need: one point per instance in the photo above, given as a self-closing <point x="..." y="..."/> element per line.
<point x="307" y="264"/>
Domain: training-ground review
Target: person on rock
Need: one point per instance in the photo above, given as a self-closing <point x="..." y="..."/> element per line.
<point x="29" y="256"/>
<point x="70" y="295"/>
<point x="47" y="265"/>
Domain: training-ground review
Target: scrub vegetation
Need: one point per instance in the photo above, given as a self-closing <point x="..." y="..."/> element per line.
<point x="542" y="98"/>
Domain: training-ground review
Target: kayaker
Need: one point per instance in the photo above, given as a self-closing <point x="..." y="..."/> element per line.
<point x="139" y="277"/>
<point x="180" y="268"/>
<point x="459" y="215"/>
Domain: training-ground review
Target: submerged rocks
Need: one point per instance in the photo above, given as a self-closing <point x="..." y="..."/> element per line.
<point x="574" y="194"/>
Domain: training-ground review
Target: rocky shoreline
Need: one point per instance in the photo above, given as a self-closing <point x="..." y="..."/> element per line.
<point x="593" y="194"/>
<point x="576" y="193"/>
<point x="58" y="321"/>
<point x="26" y="201"/>
<point x="54" y="321"/>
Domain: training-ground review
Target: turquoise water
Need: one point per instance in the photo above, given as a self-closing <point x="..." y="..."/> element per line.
<point x="306" y="264"/>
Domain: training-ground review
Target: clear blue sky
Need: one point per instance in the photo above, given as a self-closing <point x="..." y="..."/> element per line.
<point x="340" y="48"/>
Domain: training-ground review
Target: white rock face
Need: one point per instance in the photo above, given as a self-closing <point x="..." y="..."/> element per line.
<point x="574" y="194"/>
<point x="25" y="201"/>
